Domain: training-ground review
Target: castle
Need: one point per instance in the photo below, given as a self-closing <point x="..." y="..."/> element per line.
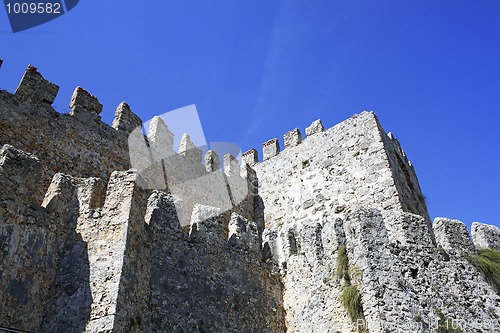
<point x="98" y="237"/>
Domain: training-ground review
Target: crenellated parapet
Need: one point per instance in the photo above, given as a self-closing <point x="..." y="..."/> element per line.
<point x="108" y="229"/>
<point x="78" y="143"/>
<point x="271" y="148"/>
<point x="34" y="88"/>
<point x="183" y="174"/>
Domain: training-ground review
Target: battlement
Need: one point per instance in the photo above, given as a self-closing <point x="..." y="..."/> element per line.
<point x="125" y="120"/>
<point x="33" y="88"/>
<point x="486" y="236"/>
<point x="106" y="229"/>
<point x="452" y="235"/>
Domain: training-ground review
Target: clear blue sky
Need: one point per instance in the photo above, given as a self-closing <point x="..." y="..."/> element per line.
<point x="255" y="69"/>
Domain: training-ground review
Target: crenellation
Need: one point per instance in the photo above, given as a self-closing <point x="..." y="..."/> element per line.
<point x="33" y="88"/>
<point x="188" y="149"/>
<point x="485" y="236"/>
<point x="117" y="273"/>
<point x="292" y="138"/>
<point x="452" y="235"/>
<point x="270" y="148"/>
<point x="315" y="127"/>
<point x="231" y="165"/>
<point x="212" y="163"/>
<point x="176" y="245"/>
<point x="82" y="100"/>
<point x="125" y="120"/>
<point x="251" y="157"/>
<point x="161" y="138"/>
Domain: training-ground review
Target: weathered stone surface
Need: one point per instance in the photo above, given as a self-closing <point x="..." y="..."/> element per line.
<point x="315" y="127"/>
<point x="486" y="236"/>
<point x="452" y="235"/>
<point x="271" y="148"/>
<point x="231" y="165"/>
<point x="202" y="283"/>
<point x="65" y="144"/>
<point x="243" y="233"/>
<point x="33" y="88"/>
<point x="21" y="172"/>
<point x="161" y="138"/>
<point x="211" y="161"/>
<point x="175" y="246"/>
<point x="188" y="149"/>
<point x="125" y="119"/>
<point x="82" y="100"/>
<point x="251" y="157"/>
<point x="292" y="138"/>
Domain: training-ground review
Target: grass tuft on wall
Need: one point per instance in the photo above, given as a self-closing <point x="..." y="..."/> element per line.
<point x="487" y="261"/>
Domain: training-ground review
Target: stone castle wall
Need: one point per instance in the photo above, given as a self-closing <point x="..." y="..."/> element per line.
<point x="117" y="259"/>
<point x="105" y="229"/>
<point x="352" y="185"/>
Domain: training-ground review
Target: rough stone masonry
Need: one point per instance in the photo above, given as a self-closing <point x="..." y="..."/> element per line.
<point x="94" y="238"/>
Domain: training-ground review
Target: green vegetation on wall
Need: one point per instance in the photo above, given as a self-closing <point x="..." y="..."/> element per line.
<point x="350" y="297"/>
<point x="488" y="262"/>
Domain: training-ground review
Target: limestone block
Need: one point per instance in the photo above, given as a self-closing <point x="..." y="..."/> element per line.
<point x="161" y="212"/>
<point x="211" y="161"/>
<point x="82" y="100"/>
<point x="91" y="193"/>
<point x="406" y="229"/>
<point x="486" y="236"/>
<point x="271" y="246"/>
<point x="251" y="157"/>
<point x="243" y="232"/>
<point x="20" y="173"/>
<point x="452" y="235"/>
<point x="315" y="127"/>
<point x="188" y="149"/>
<point x="292" y="138"/>
<point x="202" y="213"/>
<point x="161" y="139"/>
<point x="271" y="148"/>
<point x="125" y="120"/>
<point x="61" y="201"/>
<point x="231" y="165"/>
<point x="206" y="225"/>
<point x="34" y="88"/>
